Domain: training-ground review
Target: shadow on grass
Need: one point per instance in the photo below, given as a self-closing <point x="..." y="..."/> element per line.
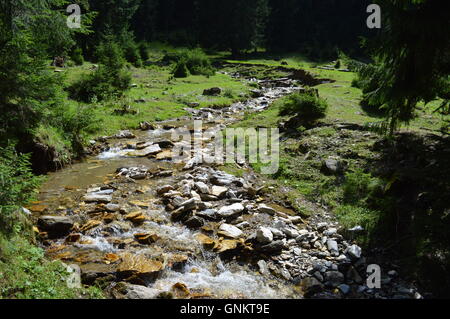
<point x="415" y="232"/>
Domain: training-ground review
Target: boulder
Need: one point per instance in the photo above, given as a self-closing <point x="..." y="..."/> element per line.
<point x="194" y="222"/>
<point x="164" y="189"/>
<point x="274" y="247"/>
<point x="150" y="150"/>
<point x="334" y="278"/>
<point x="290" y="232"/>
<point x="212" y="91"/>
<point x="231" y="211"/>
<point x="97" y="198"/>
<point x="135" y="217"/>
<point x="146" y="238"/>
<point x="277" y="233"/>
<point x="55" y="225"/>
<point x="230" y="231"/>
<point x="125" y="134"/>
<point x="210" y="214"/>
<point x="146" y="126"/>
<point x="134" y="265"/>
<point x="354" y="251"/>
<point x="262" y="208"/>
<point x="311" y="286"/>
<point x="112" y="207"/>
<point x="264" y="235"/>
<point x="219" y="191"/>
<point x="128" y="291"/>
<point x="333" y="247"/>
<point x="345" y="289"/>
<point x="189" y="205"/>
<point x="202" y="187"/>
<point x="332" y="167"/>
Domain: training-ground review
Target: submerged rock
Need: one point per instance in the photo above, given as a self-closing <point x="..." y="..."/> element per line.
<point x="150" y="150"/>
<point x="97" y="198"/>
<point x="311" y="286"/>
<point x="263" y="268"/>
<point x="55" y="225"/>
<point x="123" y="290"/>
<point x="139" y="265"/>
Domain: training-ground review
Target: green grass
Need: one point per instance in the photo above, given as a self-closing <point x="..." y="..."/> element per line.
<point x="165" y="97"/>
<point x="26" y="274"/>
<point x="343" y="99"/>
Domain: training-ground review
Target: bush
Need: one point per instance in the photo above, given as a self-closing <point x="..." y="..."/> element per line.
<point x="77" y="56"/>
<point x="196" y="62"/>
<point x="17" y="185"/>
<point x="16" y="179"/>
<point x="359" y="187"/>
<point x="132" y="54"/>
<point x="143" y="51"/>
<point x="180" y="70"/>
<point x="306" y="107"/>
<point x="338" y="64"/>
<point x="109" y="80"/>
<point x="228" y="93"/>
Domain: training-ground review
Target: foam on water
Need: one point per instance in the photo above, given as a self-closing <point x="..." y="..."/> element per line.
<point x="114" y="152"/>
<point x="225" y="283"/>
<point x="98" y="243"/>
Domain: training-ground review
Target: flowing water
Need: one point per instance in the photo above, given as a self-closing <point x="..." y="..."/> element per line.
<point x="203" y="271"/>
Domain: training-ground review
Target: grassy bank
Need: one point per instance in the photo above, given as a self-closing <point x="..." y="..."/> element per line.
<point x="24" y="270"/>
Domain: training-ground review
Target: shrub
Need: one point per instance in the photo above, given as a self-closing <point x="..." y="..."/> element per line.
<point x="132" y="54"/>
<point x="306" y="107"/>
<point x="17" y="185"/>
<point x="368" y="81"/>
<point x="350" y="216"/>
<point x="77" y="56"/>
<point x="143" y="51"/>
<point x="196" y="61"/>
<point x="16" y="179"/>
<point x="338" y="64"/>
<point x="75" y="122"/>
<point x="109" y="80"/>
<point x="228" y="93"/>
<point x="180" y="70"/>
<point x="362" y="188"/>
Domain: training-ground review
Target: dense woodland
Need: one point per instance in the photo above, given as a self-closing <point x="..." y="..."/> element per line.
<point x="398" y="68"/>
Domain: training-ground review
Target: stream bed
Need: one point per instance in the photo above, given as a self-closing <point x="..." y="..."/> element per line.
<point x="141" y="226"/>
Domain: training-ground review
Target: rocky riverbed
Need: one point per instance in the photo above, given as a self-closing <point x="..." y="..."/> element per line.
<point x="141" y="226"/>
